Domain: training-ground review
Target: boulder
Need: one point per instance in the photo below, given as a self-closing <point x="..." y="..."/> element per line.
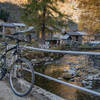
<point x="67" y="76"/>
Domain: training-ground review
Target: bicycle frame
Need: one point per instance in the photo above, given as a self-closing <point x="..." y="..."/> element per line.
<point x="16" y="52"/>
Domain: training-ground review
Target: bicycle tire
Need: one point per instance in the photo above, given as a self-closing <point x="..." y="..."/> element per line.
<point x="12" y="77"/>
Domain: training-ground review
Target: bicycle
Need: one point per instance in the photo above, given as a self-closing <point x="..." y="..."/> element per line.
<point x="21" y="72"/>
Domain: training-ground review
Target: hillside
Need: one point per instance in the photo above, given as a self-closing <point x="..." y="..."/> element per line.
<point x="18" y="2"/>
<point x="14" y="8"/>
<point x="84" y="12"/>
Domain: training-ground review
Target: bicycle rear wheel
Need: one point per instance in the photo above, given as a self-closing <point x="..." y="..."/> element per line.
<point x="21" y="77"/>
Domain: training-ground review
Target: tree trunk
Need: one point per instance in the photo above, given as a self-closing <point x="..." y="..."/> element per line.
<point x="43" y="25"/>
<point x="43" y="32"/>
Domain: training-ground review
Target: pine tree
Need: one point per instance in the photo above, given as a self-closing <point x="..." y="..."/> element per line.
<point x="44" y="16"/>
<point x="4" y="15"/>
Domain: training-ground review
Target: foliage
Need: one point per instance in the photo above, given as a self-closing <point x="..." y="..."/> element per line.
<point x="89" y="15"/>
<point x="44" y="16"/>
<point x="4" y="15"/>
<point x="86" y="13"/>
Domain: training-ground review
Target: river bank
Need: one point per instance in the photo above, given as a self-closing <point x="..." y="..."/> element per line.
<point x="78" y="70"/>
<point x="84" y="73"/>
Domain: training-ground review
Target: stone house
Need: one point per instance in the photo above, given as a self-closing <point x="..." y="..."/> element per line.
<point x="75" y="37"/>
<point x="52" y="42"/>
<point x="70" y="38"/>
<point x="97" y="37"/>
<point x="9" y="28"/>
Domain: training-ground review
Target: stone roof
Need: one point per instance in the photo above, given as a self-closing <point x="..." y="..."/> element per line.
<point x="97" y="34"/>
<point x="66" y="36"/>
<point x="27" y="30"/>
<point x="12" y="24"/>
<point x="77" y="33"/>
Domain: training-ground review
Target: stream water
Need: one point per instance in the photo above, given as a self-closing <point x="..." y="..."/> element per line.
<point x="58" y="67"/>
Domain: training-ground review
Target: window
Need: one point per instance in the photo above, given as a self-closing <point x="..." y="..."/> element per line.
<point x="76" y="38"/>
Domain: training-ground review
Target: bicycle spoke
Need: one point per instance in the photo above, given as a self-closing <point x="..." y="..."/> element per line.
<point x="2" y="68"/>
<point x="21" y="79"/>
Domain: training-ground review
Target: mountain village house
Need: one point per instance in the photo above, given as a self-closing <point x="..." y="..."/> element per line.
<point x="10" y="28"/>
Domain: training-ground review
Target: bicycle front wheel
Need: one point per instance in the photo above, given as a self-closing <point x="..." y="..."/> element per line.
<point x="21" y="77"/>
<point x="3" y="69"/>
